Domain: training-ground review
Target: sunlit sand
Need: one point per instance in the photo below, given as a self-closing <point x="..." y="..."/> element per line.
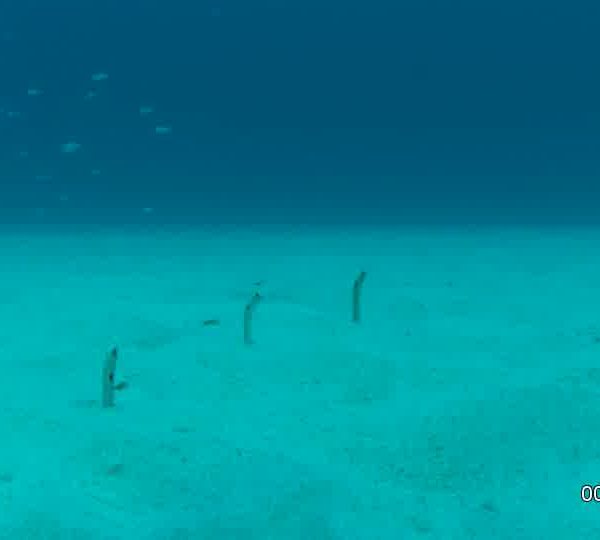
<point x="464" y="404"/>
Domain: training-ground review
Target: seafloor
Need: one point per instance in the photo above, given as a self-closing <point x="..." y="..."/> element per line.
<point x="466" y="404"/>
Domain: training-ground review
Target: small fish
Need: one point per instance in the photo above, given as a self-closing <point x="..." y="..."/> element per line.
<point x="95" y="172"/>
<point x="148" y="210"/>
<point x="13" y="114"/>
<point x="100" y="76"/>
<point x="70" y="147"/>
<point x="163" y="130"/>
<point x="34" y="92"/>
<point x="145" y="111"/>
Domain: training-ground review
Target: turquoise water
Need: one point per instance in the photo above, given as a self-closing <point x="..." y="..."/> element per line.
<point x="305" y="112"/>
<point x="161" y="163"/>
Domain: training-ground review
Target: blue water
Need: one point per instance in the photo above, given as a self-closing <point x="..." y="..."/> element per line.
<point x="424" y="111"/>
<point x="147" y="112"/>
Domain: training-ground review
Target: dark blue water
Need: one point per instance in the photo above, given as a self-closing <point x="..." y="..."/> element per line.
<point x="401" y="111"/>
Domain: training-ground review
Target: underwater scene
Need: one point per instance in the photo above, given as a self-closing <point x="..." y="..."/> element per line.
<point x="299" y="270"/>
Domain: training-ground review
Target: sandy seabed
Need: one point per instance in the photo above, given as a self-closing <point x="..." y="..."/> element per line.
<point x="466" y="404"/>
